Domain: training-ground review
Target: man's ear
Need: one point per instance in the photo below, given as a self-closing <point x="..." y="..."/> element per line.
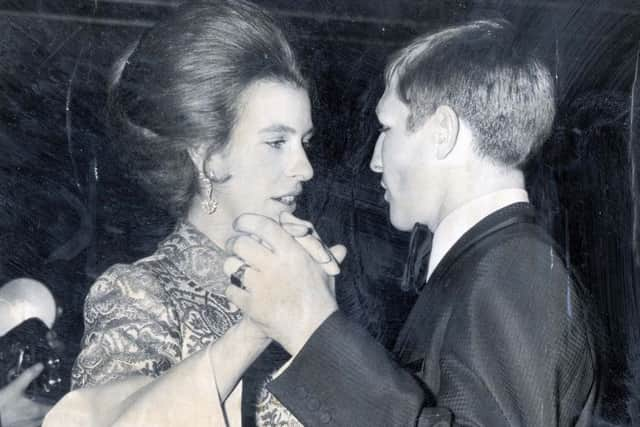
<point x="448" y="126"/>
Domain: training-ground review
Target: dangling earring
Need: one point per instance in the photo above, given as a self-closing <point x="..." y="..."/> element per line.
<point x="210" y="204"/>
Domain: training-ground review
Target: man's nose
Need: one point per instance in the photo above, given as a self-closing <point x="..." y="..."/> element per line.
<point x="376" y="160"/>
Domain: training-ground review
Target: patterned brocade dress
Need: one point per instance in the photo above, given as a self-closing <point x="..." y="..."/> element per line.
<point x="145" y="317"/>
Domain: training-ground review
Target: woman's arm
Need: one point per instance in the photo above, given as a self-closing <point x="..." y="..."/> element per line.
<point x="130" y="338"/>
<point x="190" y="393"/>
<point x="232" y="354"/>
<point x="194" y="391"/>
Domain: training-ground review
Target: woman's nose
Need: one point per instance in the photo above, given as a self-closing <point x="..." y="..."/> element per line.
<point x="300" y="166"/>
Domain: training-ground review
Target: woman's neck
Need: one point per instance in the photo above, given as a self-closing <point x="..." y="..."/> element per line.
<point x="218" y="226"/>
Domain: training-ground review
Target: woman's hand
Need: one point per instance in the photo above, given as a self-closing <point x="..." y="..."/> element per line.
<point x="305" y="233"/>
<point x="16" y="409"/>
<point x="286" y="290"/>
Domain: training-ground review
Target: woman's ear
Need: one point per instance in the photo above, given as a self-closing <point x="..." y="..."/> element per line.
<point x="197" y="153"/>
<point x="211" y="165"/>
<point x="448" y="127"/>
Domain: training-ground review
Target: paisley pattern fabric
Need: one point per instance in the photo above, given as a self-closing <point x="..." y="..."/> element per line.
<point x="270" y="412"/>
<point x="143" y="318"/>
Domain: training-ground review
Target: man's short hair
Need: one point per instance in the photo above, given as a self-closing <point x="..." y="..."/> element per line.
<point x="506" y="96"/>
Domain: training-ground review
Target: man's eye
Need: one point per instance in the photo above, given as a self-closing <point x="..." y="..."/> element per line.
<point x="306" y="143"/>
<point x="383" y="129"/>
<point x="276" y="143"/>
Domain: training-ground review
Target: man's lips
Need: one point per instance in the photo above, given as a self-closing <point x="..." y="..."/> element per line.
<point x="386" y="190"/>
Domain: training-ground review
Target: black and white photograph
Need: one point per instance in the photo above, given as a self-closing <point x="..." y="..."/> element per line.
<point x="309" y="213"/>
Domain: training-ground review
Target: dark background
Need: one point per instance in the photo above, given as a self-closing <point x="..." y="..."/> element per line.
<point x="67" y="213"/>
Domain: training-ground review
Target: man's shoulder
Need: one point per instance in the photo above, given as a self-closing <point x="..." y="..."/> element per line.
<point x="523" y="243"/>
<point x="522" y="258"/>
<point x="519" y="273"/>
<point x="505" y="240"/>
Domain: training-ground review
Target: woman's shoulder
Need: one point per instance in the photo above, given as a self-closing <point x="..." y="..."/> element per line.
<point x="120" y="284"/>
<point x="131" y="327"/>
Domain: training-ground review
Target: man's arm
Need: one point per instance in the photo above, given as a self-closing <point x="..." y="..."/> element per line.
<point x="343" y="377"/>
<point x="289" y="295"/>
<point x="503" y="361"/>
<point x="515" y="352"/>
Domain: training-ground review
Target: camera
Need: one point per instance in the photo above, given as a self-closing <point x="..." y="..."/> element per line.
<point x="25" y="345"/>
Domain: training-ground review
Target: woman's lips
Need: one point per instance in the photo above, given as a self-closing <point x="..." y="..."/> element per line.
<point x="288" y="200"/>
<point x="285" y="200"/>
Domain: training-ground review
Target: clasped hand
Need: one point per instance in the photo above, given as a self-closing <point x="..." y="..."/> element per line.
<point x="288" y="282"/>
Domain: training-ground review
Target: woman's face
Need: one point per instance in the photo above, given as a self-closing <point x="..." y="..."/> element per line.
<point x="266" y="152"/>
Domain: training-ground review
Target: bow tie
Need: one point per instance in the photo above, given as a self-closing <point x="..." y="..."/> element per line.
<point x="415" y="269"/>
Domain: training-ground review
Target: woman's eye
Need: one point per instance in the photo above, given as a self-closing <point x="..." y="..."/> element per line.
<point x="306" y="143"/>
<point x="277" y="143"/>
<point x="383" y="129"/>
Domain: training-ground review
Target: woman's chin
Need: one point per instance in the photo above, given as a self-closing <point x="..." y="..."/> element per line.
<point x="282" y="207"/>
<point x="272" y="209"/>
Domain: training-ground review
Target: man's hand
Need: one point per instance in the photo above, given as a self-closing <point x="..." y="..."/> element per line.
<point x="17" y="410"/>
<point x="287" y="292"/>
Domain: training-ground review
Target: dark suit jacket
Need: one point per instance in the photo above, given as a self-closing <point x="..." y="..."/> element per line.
<point x="499" y="336"/>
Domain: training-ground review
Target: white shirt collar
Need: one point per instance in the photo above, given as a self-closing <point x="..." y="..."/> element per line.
<point x="462" y="219"/>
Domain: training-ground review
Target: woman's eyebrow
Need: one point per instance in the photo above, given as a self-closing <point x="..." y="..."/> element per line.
<point x="278" y="128"/>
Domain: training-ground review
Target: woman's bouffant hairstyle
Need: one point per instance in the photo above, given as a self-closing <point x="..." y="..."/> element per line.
<point x="180" y="86"/>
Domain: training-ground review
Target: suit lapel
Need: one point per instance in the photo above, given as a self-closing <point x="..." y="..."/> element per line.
<point x="502" y="218"/>
<point x="406" y="349"/>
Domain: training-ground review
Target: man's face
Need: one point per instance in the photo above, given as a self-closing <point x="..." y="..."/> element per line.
<point x="411" y="175"/>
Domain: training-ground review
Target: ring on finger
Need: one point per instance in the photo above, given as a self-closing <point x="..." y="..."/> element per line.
<point x="236" y="278"/>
